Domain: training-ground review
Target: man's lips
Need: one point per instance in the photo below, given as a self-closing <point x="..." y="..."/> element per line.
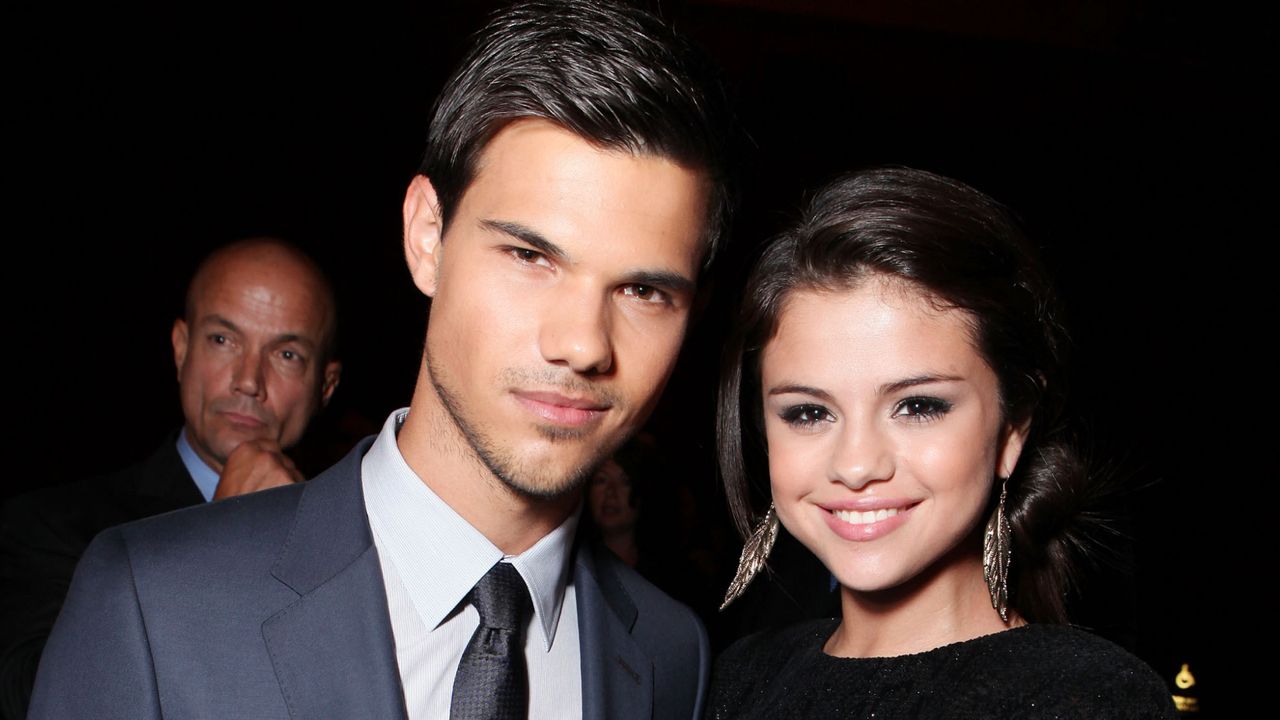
<point x="248" y="422"/>
<point x="561" y="409"/>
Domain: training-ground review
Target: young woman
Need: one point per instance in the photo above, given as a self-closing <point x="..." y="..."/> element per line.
<point x="900" y="355"/>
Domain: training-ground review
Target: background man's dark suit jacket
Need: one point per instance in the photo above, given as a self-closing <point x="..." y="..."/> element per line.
<point x="42" y="536"/>
<point x="272" y="605"/>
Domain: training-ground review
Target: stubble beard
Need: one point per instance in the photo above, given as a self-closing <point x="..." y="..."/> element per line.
<point x="502" y="463"/>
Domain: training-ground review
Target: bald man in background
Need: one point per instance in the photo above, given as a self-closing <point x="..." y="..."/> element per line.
<point x="255" y="360"/>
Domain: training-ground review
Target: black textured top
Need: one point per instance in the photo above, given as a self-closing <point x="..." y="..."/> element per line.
<point x="1034" y="671"/>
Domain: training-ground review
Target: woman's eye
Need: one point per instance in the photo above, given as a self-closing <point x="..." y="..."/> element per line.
<point x="806" y="415"/>
<point x="921" y="409"/>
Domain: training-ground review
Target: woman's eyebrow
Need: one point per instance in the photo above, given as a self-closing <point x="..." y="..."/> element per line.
<point x="802" y="390"/>
<point x="900" y="385"/>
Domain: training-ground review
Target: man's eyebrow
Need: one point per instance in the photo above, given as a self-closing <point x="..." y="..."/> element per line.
<point x="293" y="338"/>
<point x="665" y="279"/>
<point x="216" y="319"/>
<point x="529" y="236"/>
<point x="282" y="338"/>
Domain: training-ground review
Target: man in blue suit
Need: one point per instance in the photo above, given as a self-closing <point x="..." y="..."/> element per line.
<point x="573" y="189"/>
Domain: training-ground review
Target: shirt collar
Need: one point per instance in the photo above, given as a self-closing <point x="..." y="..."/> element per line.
<point x="205" y="477"/>
<point x="439" y="555"/>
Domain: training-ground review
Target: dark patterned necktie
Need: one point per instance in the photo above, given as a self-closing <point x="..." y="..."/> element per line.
<point x="492" y="683"/>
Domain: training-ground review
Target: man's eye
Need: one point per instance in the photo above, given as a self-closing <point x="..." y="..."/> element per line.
<point x="527" y="255"/>
<point x="922" y="409"/>
<point x="290" y="355"/>
<point x="218" y="339"/>
<point x="806" y="415"/>
<point x="645" y="293"/>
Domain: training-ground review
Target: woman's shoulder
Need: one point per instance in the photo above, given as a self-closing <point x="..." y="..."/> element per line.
<point x="1031" y="671"/>
<point x="745" y="672"/>
<point x="776" y="645"/>
<point x="1068" y="647"/>
<point x="1067" y="668"/>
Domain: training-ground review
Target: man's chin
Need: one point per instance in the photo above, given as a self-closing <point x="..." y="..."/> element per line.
<point x="233" y="437"/>
<point x="542" y="480"/>
<point x="559" y="434"/>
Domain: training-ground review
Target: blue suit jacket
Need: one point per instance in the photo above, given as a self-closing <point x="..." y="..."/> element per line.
<point x="272" y="605"/>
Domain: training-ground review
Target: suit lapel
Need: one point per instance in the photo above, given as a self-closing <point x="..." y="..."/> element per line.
<point x="617" y="675"/>
<point x="162" y="483"/>
<point x="332" y="649"/>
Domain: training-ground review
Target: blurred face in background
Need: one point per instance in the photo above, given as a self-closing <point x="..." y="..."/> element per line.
<point x="252" y="352"/>
<point x="609" y="499"/>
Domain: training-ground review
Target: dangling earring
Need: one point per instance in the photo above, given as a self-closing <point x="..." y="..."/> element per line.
<point x="754" y="554"/>
<point x="996" y="556"/>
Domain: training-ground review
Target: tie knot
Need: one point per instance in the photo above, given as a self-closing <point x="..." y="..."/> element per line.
<point x="502" y="599"/>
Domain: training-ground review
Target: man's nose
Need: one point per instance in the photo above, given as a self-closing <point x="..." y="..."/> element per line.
<point x="577" y="332"/>
<point x="247" y="378"/>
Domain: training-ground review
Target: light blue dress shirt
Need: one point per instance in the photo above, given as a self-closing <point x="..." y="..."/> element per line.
<point x="431" y="557"/>
<point x="205" y="477"/>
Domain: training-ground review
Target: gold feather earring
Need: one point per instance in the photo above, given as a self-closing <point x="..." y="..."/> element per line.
<point x="754" y="554"/>
<point x="996" y="555"/>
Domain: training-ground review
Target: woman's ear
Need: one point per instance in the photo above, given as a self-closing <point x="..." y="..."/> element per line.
<point x="1012" y="440"/>
<point x="422" y="234"/>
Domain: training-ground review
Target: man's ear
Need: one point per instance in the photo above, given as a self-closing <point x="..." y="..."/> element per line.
<point x="332" y="374"/>
<point x="422" y="232"/>
<point x="180" y="337"/>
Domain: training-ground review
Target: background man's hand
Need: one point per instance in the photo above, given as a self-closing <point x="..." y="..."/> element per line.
<point x="256" y="465"/>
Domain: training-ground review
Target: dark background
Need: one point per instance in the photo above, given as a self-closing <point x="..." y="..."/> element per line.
<point x="1133" y="138"/>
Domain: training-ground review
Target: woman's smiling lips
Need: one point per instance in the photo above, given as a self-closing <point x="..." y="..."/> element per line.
<point x="562" y="409"/>
<point x="866" y="520"/>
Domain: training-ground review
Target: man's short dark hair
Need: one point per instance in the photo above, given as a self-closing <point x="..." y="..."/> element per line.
<point x="609" y="72"/>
